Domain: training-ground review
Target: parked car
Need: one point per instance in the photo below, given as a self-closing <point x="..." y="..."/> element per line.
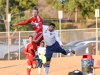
<point x="4" y="50"/>
<point x="15" y="54"/>
<point x="81" y="47"/>
<point x="2" y="42"/>
<point x="92" y="39"/>
<point x="22" y="41"/>
<point x="72" y="43"/>
<point x="69" y="45"/>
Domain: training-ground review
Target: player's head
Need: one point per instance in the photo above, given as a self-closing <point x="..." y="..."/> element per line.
<point x="51" y="27"/>
<point x="42" y="43"/>
<point x="35" y="11"/>
<point x="30" y="38"/>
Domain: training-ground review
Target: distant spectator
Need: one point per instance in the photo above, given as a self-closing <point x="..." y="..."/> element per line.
<point x="97" y="65"/>
<point x="89" y="49"/>
<point x="94" y="49"/>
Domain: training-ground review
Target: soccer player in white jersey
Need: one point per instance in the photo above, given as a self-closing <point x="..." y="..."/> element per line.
<point x="53" y="44"/>
<point x="41" y="50"/>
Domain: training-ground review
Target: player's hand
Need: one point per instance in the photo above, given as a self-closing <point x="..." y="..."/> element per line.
<point x="29" y="54"/>
<point x="14" y="24"/>
<point x="33" y="23"/>
<point x="62" y="46"/>
<point x="39" y="54"/>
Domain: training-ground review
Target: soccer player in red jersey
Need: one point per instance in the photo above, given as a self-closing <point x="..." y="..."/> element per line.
<point x="37" y="23"/>
<point x="29" y="51"/>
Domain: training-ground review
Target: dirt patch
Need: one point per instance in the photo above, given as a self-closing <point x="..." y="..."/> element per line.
<point x="59" y="66"/>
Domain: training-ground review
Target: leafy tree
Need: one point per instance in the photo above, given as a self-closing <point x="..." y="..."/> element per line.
<point x="84" y="7"/>
<point x="16" y="8"/>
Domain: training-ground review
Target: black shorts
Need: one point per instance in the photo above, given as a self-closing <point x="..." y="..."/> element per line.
<point x="55" y="48"/>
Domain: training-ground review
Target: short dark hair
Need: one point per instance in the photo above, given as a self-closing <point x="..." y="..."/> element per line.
<point x="35" y="8"/>
<point x="30" y="36"/>
<point x="52" y="24"/>
<point x="42" y="42"/>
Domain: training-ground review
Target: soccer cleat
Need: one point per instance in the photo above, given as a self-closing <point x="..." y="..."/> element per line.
<point x="73" y="51"/>
<point x="70" y="51"/>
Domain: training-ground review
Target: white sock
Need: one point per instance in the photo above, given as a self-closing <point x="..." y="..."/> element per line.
<point x="44" y="69"/>
<point x="47" y="69"/>
<point x="39" y="70"/>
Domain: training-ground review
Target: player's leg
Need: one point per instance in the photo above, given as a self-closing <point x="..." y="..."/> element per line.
<point x="34" y="63"/>
<point x="61" y="50"/>
<point x="44" y="68"/>
<point x="39" y="69"/>
<point x="47" y="66"/>
<point x="49" y="53"/>
<point x="29" y="66"/>
<point x="38" y="38"/>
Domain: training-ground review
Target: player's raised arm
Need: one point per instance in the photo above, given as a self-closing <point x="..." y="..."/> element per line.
<point x="24" y="22"/>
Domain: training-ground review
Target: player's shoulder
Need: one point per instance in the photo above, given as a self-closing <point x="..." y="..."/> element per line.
<point x="31" y="17"/>
<point x="44" y="47"/>
<point x="33" y="42"/>
<point x="26" y="45"/>
<point x="39" y="17"/>
<point x="55" y="32"/>
<point x="39" y="47"/>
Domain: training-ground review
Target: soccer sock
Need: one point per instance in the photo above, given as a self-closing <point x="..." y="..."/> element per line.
<point x="44" y="69"/>
<point x="47" y="67"/>
<point x="39" y="70"/>
<point x="28" y="71"/>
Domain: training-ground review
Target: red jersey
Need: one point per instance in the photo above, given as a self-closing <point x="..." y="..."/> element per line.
<point x="38" y="20"/>
<point x="30" y="48"/>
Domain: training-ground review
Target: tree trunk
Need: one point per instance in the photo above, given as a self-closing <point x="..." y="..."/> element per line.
<point x="6" y="26"/>
<point x="76" y="14"/>
<point x="68" y="15"/>
<point x="87" y="19"/>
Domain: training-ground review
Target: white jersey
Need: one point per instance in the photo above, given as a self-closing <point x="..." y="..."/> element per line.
<point x="41" y="50"/>
<point x="50" y="37"/>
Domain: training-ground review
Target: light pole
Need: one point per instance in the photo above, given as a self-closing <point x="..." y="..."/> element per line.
<point x="96" y="15"/>
<point x="8" y="19"/>
<point x="60" y="16"/>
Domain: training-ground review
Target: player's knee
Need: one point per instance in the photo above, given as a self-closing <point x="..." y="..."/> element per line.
<point x="48" y="59"/>
<point x="48" y="62"/>
<point x="34" y="66"/>
<point x="29" y="67"/>
<point x="46" y="65"/>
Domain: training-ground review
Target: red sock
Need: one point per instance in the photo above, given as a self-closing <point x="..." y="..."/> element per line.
<point x="28" y="71"/>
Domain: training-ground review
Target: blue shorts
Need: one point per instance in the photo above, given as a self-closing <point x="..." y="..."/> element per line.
<point x="55" y="48"/>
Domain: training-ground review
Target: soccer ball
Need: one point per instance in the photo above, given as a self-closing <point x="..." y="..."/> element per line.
<point x="62" y="1"/>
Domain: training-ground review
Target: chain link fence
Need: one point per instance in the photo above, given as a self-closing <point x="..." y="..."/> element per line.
<point x="19" y="39"/>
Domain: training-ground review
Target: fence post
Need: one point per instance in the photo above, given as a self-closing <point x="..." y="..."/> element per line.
<point x="19" y="45"/>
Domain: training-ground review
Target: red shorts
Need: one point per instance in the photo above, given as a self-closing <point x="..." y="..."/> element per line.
<point x="39" y="38"/>
<point x="30" y="62"/>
